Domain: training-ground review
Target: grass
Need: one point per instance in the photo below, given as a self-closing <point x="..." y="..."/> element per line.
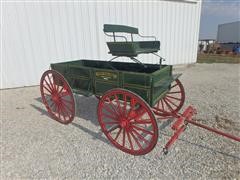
<point x="217" y="58"/>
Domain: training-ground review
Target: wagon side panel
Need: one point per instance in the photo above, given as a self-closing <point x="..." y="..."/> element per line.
<point x="161" y="81"/>
<point x="105" y="80"/>
<point x="62" y="68"/>
<point x="138" y="83"/>
<point x="79" y="77"/>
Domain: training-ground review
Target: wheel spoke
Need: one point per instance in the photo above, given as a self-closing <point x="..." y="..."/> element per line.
<point x="143" y="130"/>
<point x="51" y="105"/>
<point x="47" y="95"/>
<point x="108" y="109"/>
<point x="112" y="122"/>
<point x="120" y="130"/>
<point x="140" y="136"/>
<point x="148" y="121"/>
<point x="168" y="105"/>
<point x="67" y="113"/>
<point x="48" y="85"/>
<point x="129" y="140"/>
<point x="113" y="128"/>
<point x="158" y="109"/>
<point x="174" y="92"/>
<point x="53" y="80"/>
<point x="171" y="102"/>
<point x="113" y="106"/>
<point x="64" y="110"/>
<point x="109" y="116"/>
<point x="124" y="103"/>
<point x="124" y="136"/>
<point x="173" y="97"/>
<point x="47" y="89"/>
<point x="158" y="104"/>
<point x="57" y="89"/>
<point x="63" y="94"/>
<point x="66" y="107"/>
<point x="162" y="104"/>
<point x="67" y="101"/>
<point x="118" y="104"/>
<point x="60" y="91"/>
<point x="51" y="83"/>
<point x="56" y="110"/>
<point x="136" y="140"/>
<point x="174" y="85"/>
<point x="61" y="109"/>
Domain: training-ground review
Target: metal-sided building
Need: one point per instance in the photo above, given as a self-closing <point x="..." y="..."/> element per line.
<point x="35" y="34"/>
<point x="229" y="32"/>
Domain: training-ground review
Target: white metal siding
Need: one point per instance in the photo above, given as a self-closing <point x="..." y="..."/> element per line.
<point x="36" y="34"/>
<point x="229" y="33"/>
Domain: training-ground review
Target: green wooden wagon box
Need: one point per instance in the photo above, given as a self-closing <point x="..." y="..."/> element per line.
<point x="89" y="77"/>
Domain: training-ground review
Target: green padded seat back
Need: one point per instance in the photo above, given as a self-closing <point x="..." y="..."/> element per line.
<point x="119" y="28"/>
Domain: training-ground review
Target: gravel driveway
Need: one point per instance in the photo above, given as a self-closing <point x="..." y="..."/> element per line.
<point x="35" y="146"/>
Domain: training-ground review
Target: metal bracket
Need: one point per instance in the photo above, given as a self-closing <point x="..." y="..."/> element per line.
<point x="132" y="58"/>
<point x="161" y="59"/>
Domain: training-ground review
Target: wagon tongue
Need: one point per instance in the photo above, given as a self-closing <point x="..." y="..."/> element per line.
<point x="180" y="125"/>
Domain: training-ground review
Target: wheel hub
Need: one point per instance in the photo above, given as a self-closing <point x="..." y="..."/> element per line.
<point x="124" y="123"/>
<point x="55" y="98"/>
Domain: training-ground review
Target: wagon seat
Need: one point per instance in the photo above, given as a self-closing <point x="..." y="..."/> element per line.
<point x="129" y="48"/>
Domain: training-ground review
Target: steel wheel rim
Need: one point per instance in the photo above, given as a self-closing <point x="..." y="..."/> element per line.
<point x="172" y="102"/>
<point x="120" y="114"/>
<point x="57" y="96"/>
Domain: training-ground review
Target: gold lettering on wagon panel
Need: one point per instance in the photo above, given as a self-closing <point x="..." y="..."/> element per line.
<point x="106" y="75"/>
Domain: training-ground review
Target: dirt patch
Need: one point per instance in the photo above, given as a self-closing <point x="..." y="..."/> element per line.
<point x="226" y="124"/>
<point x="221" y="123"/>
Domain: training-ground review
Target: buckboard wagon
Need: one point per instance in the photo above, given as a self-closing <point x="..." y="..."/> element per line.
<point x="131" y="95"/>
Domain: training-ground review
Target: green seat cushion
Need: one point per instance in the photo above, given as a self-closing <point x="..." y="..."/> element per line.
<point x="131" y="49"/>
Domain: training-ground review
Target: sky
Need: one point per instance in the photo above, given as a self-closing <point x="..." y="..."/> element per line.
<point x="216" y="12"/>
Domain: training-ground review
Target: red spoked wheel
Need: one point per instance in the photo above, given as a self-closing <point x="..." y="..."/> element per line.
<point x="127" y="121"/>
<point x="57" y="96"/>
<point x="172" y="102"/>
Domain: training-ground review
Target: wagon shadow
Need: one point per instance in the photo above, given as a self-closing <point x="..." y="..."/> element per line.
<point x="86" y="108"/>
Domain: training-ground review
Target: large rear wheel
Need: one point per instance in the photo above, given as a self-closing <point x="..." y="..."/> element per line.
<point x="127" y="121"/>
<point x="57" y="96"/>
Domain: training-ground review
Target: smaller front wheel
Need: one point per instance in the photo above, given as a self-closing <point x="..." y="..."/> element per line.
<point x="172" y="102"/>
<point x="127" y="121"/>
<point x="57" y="96"/>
